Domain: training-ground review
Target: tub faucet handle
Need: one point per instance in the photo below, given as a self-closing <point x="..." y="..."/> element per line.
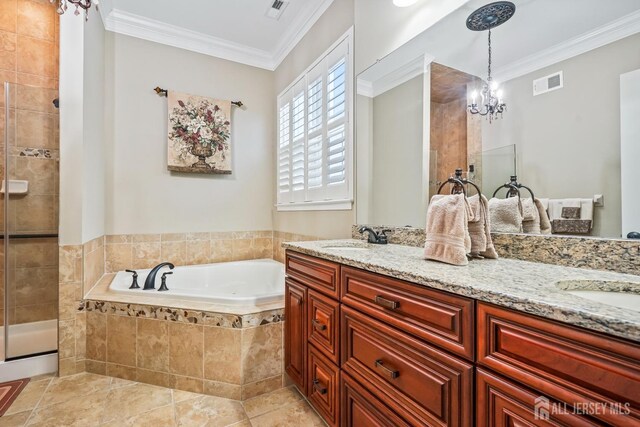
<point x="163" y="281"/>
<point x="134" y="283"/>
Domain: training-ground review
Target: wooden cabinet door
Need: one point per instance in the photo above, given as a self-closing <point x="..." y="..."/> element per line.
<point x="323" y="386"/>
<point x="295" y="335"/>
<point x="323" y="324"/>
<point x="362" y="409"/>
<point x="501" y="403"/>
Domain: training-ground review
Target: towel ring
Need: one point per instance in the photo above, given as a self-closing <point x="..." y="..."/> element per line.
<point x="512" y="188"/>
<point x="513" y="185"/>
<point x="458" y="183"/>
<point x="459" y="180"/>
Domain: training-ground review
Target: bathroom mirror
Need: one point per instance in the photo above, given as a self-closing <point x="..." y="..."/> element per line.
<point x="571" y="85"/>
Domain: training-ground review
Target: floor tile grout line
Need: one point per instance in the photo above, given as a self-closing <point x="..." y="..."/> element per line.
<point x="35" y="408"/>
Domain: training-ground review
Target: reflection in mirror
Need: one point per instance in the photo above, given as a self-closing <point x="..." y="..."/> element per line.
<point x="570" y="131"/>
<point x="390" y="142"/>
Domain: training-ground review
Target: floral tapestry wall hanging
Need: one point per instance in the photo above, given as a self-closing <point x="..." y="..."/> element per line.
<point x="199" y="134"/>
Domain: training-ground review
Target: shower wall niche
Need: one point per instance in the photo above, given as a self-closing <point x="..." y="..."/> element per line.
<point x="29" y="165"/>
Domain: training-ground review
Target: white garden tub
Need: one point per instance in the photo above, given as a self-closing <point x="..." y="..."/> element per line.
<point x="229" y="283"/>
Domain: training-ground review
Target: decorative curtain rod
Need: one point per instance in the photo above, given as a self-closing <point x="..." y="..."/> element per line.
<point x="165" y="92"/>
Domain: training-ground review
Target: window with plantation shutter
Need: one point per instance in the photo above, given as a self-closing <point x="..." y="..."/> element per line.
<point x="315" y="135"/>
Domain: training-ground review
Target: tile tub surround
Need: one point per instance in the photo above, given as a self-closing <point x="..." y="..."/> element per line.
<point x="280" y="237"/>
<point x="71" y="314"/>
<point x="140" y="251"/>
<point x="524" y="286"/>
<point x="618" y="255"/>
<point x="220" y="354"/>
<point x="96" y="400"/>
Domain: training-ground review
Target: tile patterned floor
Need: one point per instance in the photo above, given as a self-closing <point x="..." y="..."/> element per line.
<point x="95" y="400"/>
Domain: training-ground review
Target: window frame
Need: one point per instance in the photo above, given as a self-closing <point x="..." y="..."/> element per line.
<point x="317" y="199"/>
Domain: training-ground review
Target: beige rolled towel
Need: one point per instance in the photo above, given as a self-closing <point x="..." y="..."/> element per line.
<point x="530" y="217"/>
<point x="505" y="215"/>
<point x="477" y="226"/>
<point x="447" y="229"/>
<point x="545" y="224"/>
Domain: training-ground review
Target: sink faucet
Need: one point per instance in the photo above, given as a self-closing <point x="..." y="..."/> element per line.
<point x="150" y="281"/>
<point x="376" y="238"/>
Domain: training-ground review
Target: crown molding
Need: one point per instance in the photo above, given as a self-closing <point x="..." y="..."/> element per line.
<point x="105" y="7"/>
<point x="609" y="33"/>
<point x="401" y="74"/>
<point x="129" y="24"/>
<point x="297" y="30"/>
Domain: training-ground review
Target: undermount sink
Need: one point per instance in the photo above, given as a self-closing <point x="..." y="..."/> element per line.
<point x="618" y="294"/>
<point x="348" y="246"/>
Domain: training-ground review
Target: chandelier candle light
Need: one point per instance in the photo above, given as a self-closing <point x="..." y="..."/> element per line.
<point x="483" y="19"/>
<point x="79" y="4"/>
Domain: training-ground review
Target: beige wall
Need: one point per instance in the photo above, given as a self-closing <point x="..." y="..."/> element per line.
<point x="142" y="195"/>
<point x="568" y="141"/>
<point x="397" y="156"/>
<point x="93" y="194"/>
<point x="338" y="18"/>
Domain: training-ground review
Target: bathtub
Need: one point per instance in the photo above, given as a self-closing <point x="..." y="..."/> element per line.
<point x="236" y="283"/>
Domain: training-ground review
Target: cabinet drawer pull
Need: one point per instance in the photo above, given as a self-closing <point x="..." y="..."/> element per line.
<point x="318" y="326"/>
<point x="383" y="302"/>
<point x="391" y="373"/>
<point x="319" y="387"/>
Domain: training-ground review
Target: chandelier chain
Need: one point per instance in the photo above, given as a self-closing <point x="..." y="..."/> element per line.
<point x="489" y="66"/>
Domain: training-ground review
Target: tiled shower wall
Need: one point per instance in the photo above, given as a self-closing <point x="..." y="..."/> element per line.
<point x="29" y="60"/>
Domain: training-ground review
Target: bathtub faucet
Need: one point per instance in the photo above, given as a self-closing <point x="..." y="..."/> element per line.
<point x="150" y="281"/>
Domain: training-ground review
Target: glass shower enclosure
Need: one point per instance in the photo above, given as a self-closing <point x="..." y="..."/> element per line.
<point x="28" y="222"/>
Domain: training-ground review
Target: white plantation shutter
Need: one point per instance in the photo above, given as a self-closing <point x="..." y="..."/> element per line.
<point x="284" y="152"/>
<point x="315" y="143"/>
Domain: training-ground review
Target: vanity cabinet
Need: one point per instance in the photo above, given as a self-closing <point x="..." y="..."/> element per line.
<point x="295" y="334"/>
<point x="371" y="350"/>
<point x="562" y="362"/>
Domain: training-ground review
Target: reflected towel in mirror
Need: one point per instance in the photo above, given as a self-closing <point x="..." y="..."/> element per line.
<point x="505" y="215"/>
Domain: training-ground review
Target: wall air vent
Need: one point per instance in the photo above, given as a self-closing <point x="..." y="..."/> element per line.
<point x="547" y="84"/>
<point x="276" y="9"/>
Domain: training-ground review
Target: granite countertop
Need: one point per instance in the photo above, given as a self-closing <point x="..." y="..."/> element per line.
<point x="520" y="285"/>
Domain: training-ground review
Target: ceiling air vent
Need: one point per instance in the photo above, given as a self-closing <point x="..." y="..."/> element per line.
<point x="276" y="9"/>
<point x="547" y="84"/>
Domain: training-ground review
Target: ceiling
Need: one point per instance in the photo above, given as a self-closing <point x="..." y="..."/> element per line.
<point x="541" y="33"/>
<point x="537" y="29"/>
<point x="238" y="30"/>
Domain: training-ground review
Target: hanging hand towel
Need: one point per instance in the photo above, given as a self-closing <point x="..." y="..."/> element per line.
<point x="545" y="224"/>
<point x="530" y="217"/>
<point x="490" y="252"/>
<point x="447" y="229"/>
<point x="505" y="215"/>
<point x="477" y="226"/>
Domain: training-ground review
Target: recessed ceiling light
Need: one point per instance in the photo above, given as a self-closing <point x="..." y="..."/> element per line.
<point x="404" y="3"/>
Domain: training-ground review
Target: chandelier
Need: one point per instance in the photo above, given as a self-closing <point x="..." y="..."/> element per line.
<point x="85" y="5"/>
<point x="491" y="103"/>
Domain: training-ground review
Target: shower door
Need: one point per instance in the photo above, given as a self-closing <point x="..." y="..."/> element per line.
<point x="29" y="223"/>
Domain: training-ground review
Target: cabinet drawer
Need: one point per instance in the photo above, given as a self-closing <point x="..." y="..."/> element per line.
<point x="438" y="317"/>
<point x="562" y="362"/>
<point x="361" y="409"/>
<point x="323" y="324"/>
<point x="323" y="385"/>
<point x="295" y="332"/>
<point x="501" y="403"/>
<point x="318" y="274"/>
<point x="433" y="387"/>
